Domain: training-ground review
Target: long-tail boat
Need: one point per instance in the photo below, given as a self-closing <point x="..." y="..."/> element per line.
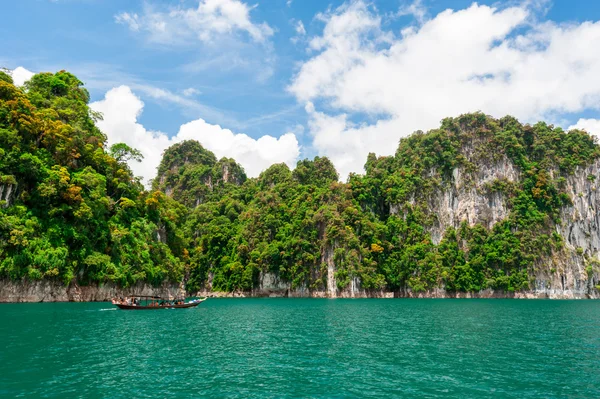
<point x="145" y="302"/>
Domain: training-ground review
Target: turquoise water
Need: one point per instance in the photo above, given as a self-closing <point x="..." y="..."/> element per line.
<point x="303" y="348"/>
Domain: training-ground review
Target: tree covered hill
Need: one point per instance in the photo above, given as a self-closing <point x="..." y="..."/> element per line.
<point x="191" y="174"/>
<point x="477" y="204"/>
<point x="72" y="210"/>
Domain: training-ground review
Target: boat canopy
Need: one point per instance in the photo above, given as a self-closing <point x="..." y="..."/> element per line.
<point x="170" y="298"/>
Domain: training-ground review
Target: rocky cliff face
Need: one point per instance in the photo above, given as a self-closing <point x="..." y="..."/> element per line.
<point x="572" y="272"/>
<point x="466" y="197"/>
<point x="7" y="193"/>
<point x="575" y="270"/>
<point x="48" y="291"/>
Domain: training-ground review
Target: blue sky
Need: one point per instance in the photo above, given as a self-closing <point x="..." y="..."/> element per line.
<point x="356" y="77"/>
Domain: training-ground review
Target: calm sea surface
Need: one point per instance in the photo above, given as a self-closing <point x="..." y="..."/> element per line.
<point x="276" y="348"/>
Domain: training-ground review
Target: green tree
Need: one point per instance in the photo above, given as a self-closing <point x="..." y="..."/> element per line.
<point x="121" y="152"/>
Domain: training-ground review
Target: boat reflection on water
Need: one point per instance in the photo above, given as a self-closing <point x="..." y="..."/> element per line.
<point x="144" y="302"/>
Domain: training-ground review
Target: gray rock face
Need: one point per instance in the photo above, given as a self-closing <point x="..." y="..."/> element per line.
<point x="566" y="270"/>
<point x="7" y="192"/>
<point x="466" y="197"/>
<point x="327" y="259"/>
<point x="581" y="221"/>
<point x="48" y="291"/>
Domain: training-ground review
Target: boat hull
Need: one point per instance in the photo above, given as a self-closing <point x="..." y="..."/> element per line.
<point x="137" y="307"/>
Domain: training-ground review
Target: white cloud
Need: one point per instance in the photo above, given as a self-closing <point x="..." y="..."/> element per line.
<point x="190" y="91"/>
<point x="132" y="20"/>
<point x="21" y="75"/>
<point x="300" y="31"/>
<point x="416" y="9"/>
<point x="255" y="155"/>
<point x="499" y="61"/>
<point x="121" y="109"/>
<point x="300" y="28"/>
<point x="342" y="45"/>
<point x="592" y="126"/>
<point x="211" y="19"/>
<point x="166" y="96"/>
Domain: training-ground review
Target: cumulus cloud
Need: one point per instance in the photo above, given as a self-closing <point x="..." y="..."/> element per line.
<point x="121" y="109"/>
<point x="592" y="126"/>
<point x="255" y="155"/>
<point x="21" y="75"/>
<point x="211" y="19"/>
<point x="497" y="60"/>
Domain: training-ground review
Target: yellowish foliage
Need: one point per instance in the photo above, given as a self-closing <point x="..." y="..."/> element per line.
<point x="126" y="203"/>
<point x="52" y="272"/>
<point x="73" y="194"/>
<point x="151" y="201"/>
<point x="376" y="248"/>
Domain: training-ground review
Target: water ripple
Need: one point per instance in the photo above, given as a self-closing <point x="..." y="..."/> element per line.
<point x="277" y="348"/>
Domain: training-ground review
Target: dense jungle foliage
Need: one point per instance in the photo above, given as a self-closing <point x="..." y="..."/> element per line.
<point x="73" y="211"/>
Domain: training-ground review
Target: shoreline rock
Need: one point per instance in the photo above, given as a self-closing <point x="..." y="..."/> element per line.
<point x="48" y="291"/>
<point x="433" y="294"/>
<point x="51" y="291"/>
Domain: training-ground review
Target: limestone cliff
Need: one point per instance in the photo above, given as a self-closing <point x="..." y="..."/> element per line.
<point x="572" y="271"/>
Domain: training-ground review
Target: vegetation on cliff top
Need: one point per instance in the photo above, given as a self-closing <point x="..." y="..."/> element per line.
<point x="74" y="211"/>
